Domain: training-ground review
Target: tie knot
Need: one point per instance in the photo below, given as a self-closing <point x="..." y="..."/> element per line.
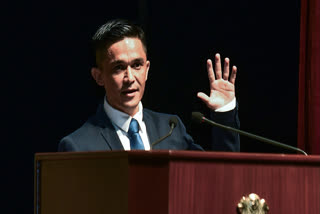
<point x="133" y="127"/>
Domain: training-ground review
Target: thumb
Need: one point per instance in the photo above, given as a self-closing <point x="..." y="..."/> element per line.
<point x="203" y="97"/>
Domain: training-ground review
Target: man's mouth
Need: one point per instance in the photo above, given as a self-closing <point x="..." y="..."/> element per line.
<point x="129" y="92"/>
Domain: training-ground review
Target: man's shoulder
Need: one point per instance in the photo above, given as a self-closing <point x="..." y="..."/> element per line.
<point x="160" y="120"/>
<point x="90" y="127"/>
<point x="85" y="138"/>
<point x="93" y="124"/>
<point x="151" y="113"/>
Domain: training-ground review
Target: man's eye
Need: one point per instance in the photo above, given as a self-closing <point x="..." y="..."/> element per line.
<point x="119" y="68"/>
<point x="137" y="66"/>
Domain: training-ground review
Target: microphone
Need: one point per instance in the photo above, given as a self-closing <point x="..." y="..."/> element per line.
<point x="172" y="123"/>
<point x="199" y="118"/>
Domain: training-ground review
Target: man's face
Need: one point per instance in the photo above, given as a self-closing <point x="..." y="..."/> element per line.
<point x="123" y="74"/>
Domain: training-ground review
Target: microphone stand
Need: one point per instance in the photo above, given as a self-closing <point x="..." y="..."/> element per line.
<point x="272" y="142"/>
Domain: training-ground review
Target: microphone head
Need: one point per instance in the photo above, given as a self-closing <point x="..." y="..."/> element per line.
<point x="173" y="122"/>
<point x="197" y="117"/>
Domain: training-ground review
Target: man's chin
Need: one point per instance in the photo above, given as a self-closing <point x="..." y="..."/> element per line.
<point x="131" y="107"/>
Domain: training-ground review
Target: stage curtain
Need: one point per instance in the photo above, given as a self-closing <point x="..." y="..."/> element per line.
<point x="309" y="78"/>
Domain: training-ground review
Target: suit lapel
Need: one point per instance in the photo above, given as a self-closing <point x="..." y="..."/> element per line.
<point x="109" y="133"/>
<point x="112" y="139"/>
<point x="107" y="130"/>
<point x="151" y="128"/>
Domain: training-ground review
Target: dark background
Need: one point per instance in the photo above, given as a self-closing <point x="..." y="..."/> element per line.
<point x="48" y="90"/>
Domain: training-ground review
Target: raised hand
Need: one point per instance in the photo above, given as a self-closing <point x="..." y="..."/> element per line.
<point x="222" y="89"/>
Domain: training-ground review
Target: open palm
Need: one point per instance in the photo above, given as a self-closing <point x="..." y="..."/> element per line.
<point x="222" y="90"/>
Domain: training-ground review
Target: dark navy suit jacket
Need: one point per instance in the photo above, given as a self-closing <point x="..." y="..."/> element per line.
<point x="99" y="134"/>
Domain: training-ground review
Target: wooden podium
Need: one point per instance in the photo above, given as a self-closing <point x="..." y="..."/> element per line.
<point x="173" y="182"/>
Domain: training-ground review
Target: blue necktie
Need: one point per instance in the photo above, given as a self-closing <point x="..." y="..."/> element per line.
<point x="135" y="139"/>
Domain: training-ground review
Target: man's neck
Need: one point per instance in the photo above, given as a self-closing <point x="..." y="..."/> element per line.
<point x="120" y="118"/>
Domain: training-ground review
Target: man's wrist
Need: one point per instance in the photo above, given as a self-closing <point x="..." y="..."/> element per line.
<point x="228" y="107"/>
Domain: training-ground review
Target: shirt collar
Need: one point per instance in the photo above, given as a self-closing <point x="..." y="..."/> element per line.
<point x="121" y="119"/>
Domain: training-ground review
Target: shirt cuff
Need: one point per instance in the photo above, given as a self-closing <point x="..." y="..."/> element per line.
<point x="228" y="107"/>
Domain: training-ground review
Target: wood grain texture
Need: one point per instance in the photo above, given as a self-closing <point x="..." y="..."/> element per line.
<point x="205" y="187"/>
<point x="174" y="182"/>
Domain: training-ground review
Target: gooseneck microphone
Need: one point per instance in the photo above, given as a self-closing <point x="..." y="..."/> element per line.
<point x="199" y="118"/>
<point x="172" y="123"/>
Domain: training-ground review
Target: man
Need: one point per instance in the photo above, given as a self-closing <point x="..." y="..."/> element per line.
<point x="121" y="122"/>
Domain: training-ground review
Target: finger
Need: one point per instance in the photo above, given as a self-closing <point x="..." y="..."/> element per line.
<point x="226" y="69"/>
<point x="218" y="66"/>
<point x="203" y="97"/>
<point x="210" y="72"/>
<point x="233" y="74"/>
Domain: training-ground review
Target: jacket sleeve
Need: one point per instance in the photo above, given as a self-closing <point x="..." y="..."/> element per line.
<point x="225" y="140"/>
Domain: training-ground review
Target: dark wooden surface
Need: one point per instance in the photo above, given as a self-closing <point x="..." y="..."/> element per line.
<point x="177" y="181"/>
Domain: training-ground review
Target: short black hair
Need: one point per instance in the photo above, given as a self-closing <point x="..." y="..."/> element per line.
<point x="114" y="31"/>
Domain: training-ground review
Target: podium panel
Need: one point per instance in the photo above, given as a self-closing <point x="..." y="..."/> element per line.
<point x="173" y="182"/>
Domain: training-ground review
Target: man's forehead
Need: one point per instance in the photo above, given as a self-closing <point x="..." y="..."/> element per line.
<point x="125" y="45"/>
<point x="128" y="42"/>
<point x="124" y="56"/>
<point x="128" y="48"/>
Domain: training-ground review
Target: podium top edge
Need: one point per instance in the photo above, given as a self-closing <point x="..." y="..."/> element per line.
<point x="183" y="155"/>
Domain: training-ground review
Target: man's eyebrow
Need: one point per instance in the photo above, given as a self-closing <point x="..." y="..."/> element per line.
<point x="115" y="62"/>
<point x="141" y="60"/>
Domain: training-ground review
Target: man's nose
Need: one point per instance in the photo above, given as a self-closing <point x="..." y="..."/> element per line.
<point x="130" y="76"/>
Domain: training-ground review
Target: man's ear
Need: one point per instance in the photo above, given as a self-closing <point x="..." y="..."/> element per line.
<point x="148" y="66"/>
<point x="97" y="76"/>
